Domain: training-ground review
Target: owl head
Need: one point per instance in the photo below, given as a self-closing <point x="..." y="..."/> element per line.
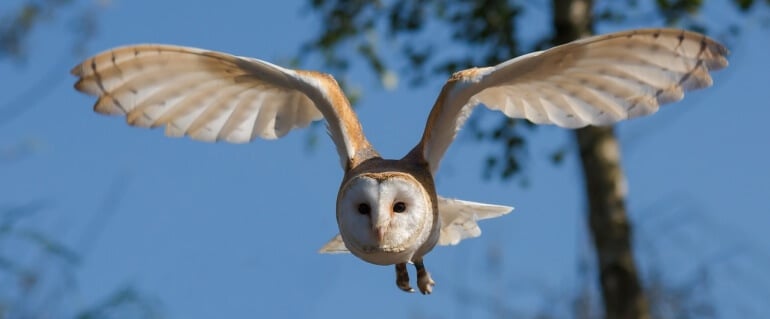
<point x="383" y="216"/>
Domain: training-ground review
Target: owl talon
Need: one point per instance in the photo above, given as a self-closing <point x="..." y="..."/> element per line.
<point x="402" y="278"/>
<point x="424" y="281"/>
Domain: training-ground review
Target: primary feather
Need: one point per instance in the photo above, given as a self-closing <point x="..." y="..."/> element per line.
<point x="459" y="218"/>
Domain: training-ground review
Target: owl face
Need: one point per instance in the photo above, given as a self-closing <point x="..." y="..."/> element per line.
<point x="384" y="217"/>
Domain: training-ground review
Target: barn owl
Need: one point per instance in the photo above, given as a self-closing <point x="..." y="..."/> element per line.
<point x="388" y="212"/>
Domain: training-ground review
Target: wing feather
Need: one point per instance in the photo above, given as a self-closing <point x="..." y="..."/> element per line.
<point x="213" y="96"/>
<point x="598" y="80"/>
<point x="208" y="125"/>
<point x="459" y="218"/>
<point x="239" y="125"/>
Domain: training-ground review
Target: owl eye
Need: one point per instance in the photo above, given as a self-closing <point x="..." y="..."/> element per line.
<point x="364" y="209"/>
<point x="399" y="207"/>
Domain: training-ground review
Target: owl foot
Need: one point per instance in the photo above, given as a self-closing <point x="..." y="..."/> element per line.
<point x="402" y="278"/>
<point x="424" y="281"/>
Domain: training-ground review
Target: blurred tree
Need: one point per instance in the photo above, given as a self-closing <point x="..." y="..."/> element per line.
<point x="18" y="23"/>
<point x="674" y="226"/>
<point x="486" y="32"/>
<point x="37" y="269"/>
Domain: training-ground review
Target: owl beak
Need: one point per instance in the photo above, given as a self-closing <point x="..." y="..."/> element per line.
<point x="380" y="224"/>
<point x="380" y="231"/>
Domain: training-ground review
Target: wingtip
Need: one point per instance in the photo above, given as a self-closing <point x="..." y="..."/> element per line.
<point x="335" y="246"/>
<point x="493" y="211"/>
<point x="721" y="49"/>
<point x="502" y="208"/>
<point x="719" y="60"/>
<point x="81" y="86"/>
<point x="77" y="70"/>
<point x="326" y="251"/>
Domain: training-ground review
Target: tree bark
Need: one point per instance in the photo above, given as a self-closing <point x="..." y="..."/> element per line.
<point x="605" y="190"/>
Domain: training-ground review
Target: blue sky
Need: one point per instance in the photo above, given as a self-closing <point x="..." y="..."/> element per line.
<point x="218" y="230"/>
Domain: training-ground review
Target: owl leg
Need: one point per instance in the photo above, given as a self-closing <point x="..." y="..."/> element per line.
<point x="402" y="278"/>
<point x="424" y="281"/>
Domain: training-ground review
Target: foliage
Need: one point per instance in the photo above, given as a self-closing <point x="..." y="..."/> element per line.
<point x="437" y="37"/>
<point x="16" y="26"/>
<point x="676" y="290"/>
<point x="37" y="269"/>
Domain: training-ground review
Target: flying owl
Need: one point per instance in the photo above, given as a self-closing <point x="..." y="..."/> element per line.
<point x="388" y="211"/>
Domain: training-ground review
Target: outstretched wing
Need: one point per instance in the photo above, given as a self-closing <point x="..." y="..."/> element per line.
<point x="594" y="81"/>
<point x="458" y="218"/>
<point x="213" y="96"/>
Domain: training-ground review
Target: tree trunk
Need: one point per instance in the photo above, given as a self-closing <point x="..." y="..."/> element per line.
<point x="605" y="188"/>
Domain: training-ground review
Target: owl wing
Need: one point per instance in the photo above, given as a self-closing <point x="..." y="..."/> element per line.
<point x="458" y="218"/>
<point x="335" y="246"/>
<point x="598" y="80"/>
<point x="213" y="96"/>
